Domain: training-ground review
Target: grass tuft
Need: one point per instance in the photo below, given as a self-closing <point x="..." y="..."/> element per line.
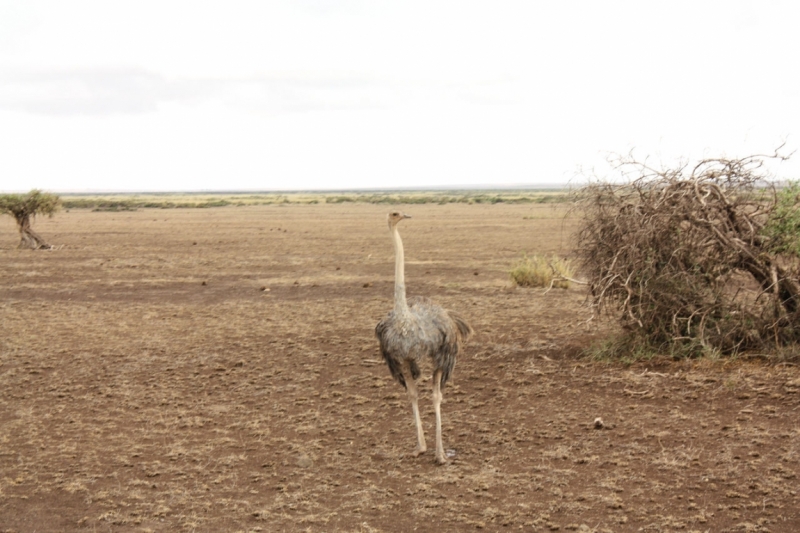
<point x="631" y="347"/>
<point x="542" y="271"/>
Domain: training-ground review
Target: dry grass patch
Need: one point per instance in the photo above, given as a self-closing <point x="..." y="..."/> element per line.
<point x="542" y="271"/>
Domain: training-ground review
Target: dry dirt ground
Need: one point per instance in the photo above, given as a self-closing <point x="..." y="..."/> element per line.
<point x="216" y="370"/>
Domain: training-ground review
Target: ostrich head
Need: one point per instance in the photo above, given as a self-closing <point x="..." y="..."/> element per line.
<point x="395" y="217"/>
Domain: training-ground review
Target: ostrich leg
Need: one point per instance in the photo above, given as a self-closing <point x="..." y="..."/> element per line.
<point x="413" y="395"/>
<point x="437" y="406"/>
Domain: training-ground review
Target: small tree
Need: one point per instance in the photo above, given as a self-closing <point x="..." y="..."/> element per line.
<point x="25" y="207"/>
<point x="704" y="256"/>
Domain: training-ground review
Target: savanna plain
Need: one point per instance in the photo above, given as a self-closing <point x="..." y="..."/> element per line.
<point x="216" y="370"/>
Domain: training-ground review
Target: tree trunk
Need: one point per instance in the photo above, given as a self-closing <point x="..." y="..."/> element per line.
<point x="28" y="238"/>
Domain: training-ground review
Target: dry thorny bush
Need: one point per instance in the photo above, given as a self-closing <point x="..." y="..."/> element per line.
<point x="695" y="257"/>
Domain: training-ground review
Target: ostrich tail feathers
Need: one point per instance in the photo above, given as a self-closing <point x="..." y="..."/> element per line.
<point x="455" y="335"/>
<point x="465" y="331"/>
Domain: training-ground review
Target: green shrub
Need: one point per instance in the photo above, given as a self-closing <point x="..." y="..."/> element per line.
<point x="783" y="226"/>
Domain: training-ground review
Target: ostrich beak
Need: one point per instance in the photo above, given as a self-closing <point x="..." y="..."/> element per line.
<point x="406" y="216"/>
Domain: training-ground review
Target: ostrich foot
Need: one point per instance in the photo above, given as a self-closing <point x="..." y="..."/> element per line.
<point x="443" y="458"/>
<point x="420" y="450"/>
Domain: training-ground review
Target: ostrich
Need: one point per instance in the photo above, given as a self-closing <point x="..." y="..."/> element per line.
<point x="411" y="332"/>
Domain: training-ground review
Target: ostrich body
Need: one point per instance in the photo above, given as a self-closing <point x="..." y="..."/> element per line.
<point x="409" y="333"/>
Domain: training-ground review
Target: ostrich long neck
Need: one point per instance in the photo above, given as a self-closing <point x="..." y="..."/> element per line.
<point x="399" y="273"/>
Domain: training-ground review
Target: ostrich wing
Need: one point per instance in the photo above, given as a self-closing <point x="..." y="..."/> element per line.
<point x="445" y="329"/>
<point x="394" y="347"/>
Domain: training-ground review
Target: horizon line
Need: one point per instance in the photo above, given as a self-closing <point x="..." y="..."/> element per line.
<point x="435" y="188"/>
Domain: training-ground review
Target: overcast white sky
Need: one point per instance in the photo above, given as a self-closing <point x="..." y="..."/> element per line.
<point x="310" y="94"/>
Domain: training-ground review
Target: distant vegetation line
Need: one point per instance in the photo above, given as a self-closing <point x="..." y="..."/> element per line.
<point x="175" y="201"/>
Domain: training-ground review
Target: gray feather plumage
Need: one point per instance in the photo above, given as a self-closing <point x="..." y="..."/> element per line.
<point x="425" y="330"/>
